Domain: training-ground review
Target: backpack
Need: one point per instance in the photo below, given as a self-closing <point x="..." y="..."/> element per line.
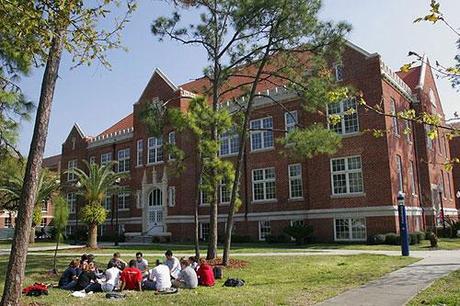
<point x="217" y="272"/>
<point x="234" y="282"/>
<point x="36" y="289"/>
<point x="115" y="295"/>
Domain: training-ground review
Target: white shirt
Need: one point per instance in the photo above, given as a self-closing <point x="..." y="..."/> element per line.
<point x="174" y="266"/>
<point x="112" y="276"/>
<point x="160" y="274"/>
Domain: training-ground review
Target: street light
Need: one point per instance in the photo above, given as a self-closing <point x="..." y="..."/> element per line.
<point x="78" y="186"/>
<point x="403" y="231"/>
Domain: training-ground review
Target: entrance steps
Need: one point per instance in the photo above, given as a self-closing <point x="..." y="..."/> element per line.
<point x="147" y="239"/>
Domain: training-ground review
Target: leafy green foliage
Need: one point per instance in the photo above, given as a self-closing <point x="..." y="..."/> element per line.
<point x="300" y="232"/>
<point x="93" y="214"/>
<point x="61" y="215"/>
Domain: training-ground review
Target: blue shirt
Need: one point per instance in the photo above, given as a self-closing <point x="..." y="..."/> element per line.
<point x="67" y="276"/>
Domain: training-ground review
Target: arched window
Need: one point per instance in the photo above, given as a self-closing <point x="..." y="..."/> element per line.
<point x="155" y="198"/>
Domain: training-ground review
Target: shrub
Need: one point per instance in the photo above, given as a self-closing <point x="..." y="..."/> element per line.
<point x="392" y="239"/>
<point x="420" y="236"/>
<point x="300" y="232"/>
<point x="282" y="238"/>
<point x="241" y="238"/>
<point x="376" y="239"/>
<point x="428" y="235"/>
<point x="413" y="239"/>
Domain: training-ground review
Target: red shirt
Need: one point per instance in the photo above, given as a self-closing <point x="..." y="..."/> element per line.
<point x="131" y="277"/>
<point x="205" y="275"/>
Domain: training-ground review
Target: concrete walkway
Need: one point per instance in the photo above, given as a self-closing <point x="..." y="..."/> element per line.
<point x="399" y="287"/>
<point x="6" y="251"/>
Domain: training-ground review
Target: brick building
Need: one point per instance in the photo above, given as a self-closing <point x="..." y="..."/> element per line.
<point x="346" y="197"/>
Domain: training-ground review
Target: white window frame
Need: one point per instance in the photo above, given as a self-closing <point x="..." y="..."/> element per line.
<point x="293" y="178"/>
<point x="226" y="140"/>
<point x="8" y="222"/>
<point x="72" y="202"/>
<point x="92" y="160"/>
<point x="408" y="127"/>
<point x="344" y="117"/>
<point x="394" y="120"/>
<point x="263" y="181"/>
<point x="45" y="206"/>
<point x="172" y="196"/>
<point x="124" y="160"/>
<point x="262" y="133"/>
<point x="399" y="172"/>
<point x="124" y="203"/>
<point x="266" y="224"/>
<point x="338" y="70"/>
<point x="429" y="141"/>
<point x="290" y="126"/>
<point x="155" y="150"/>
<point x="203" y="233"/>
<point x="347" y="177"/>
<point x="222" y="186"/>
<point x="432" y="97"/>
<point x="107" y="199"/>
<point x="350" y="229"/>
<point x="171" y="141"/>
<point x="140" y="152"/>
<point x="71" y="176"/>
<point x="106" y="158"/>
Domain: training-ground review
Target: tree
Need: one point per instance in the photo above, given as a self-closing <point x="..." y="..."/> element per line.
<point x="95" y="185"/>
<point x="259" y="41"/>
<point x="60" y="218"/>
<point x="48" y="184"/>
<point x="53" y="26"/>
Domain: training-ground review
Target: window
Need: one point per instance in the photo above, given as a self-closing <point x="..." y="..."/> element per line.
<point x="264" y="229"/>
<point x="156" y="198"/>
<point x="106" y="158"/>
<point x="140" y="152"/>
<point x="72" y="202"/>
<point x="295" y="181"/>
<point x="108" y="203"/>
<point x="412" y="178"/>
<point x="290" y="120"/>
<point x="350" y="229"/>
<point x="171" y="196"/>
<point x="44" y="206"/>
<point x="296" y="223"/>
<point x="399" y="173"/>
<point x="8" y="223"/>
<point x="432" y="98"/>
<point x="443" y="185"/>
<point x="263" y="184"/>
<point x="262" y="134"/>
<point x="224" y="192"/>
<point x="71" y="165"/>
<point x="123" y="160"/>
<point x="429" y="141"/>
<point x="348" y="112"/>
<point x="171" y="141"/>
<point x="229" y="143"/>
<point x="43" y="222"/>
<point x="92" y="160"/>
<point x="155" y="153"/>
<point x="338" y="72"/>
<point x="346" y="175"/>
<point x="123" y="201"/>
<point x="408" y="130"/>
<point x="204" y="231"/>
<point x="394" y="119"/>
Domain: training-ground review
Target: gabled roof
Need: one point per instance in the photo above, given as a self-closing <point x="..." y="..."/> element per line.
<point x="51" y="161"/>
<point x="411" y="77"/>
<point x="125" y="123"/>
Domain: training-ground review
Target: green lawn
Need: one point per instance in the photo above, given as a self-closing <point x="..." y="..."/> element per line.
<point x="444" y="291"/>
<point x="4" y="244"/>
<point x="270" y="280"/>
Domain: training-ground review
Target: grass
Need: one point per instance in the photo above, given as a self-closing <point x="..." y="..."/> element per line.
<point x="7" y="243"/>
<point x="444" y="291"/>
<point x="298" y="280"/>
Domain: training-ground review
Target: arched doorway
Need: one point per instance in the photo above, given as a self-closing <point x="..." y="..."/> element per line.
<point x="155" y="211"/>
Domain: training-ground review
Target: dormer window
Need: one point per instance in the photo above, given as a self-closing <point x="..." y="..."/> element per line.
<point x="432" y="97"/>
<point x="338" y="72"/>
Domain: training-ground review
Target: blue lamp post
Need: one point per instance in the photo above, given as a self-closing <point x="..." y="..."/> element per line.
<point x="403" y="230"/>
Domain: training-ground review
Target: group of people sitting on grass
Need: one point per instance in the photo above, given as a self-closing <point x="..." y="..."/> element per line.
<point x="84" y="275"/>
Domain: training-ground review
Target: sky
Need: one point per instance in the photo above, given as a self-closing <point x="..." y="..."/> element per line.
<point x="95" y="97"/>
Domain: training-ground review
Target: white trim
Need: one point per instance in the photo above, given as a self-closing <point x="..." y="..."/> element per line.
<point x="79" y="129"/>
<point x="260" y="229"/>
<point x="350" y="229"/>
<point x="421" y="81"/>
<point x="359" y="49"/>
<point x="295" y="178"/>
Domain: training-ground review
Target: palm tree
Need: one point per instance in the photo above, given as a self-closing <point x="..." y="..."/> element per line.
<point x="48" y="184"/>
<point x="95" y="185"/>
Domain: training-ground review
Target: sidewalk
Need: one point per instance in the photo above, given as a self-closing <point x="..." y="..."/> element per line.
<point x="399" y="287"/>
<point x="6" y="251"/>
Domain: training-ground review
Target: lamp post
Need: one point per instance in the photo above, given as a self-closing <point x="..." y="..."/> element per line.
<point x="403" y="231"/>
<point x="440" y="190"/>
<point x="78" y="186"/>
<point x="117" y="183"/>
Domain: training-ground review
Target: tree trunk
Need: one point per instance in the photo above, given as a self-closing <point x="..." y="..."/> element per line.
<point x="197" y="207"/>
<point x="55" y="252"/>
<point x="17" y="261"/>
<point x="32" y="235"/>
<point x="92" y="236"/>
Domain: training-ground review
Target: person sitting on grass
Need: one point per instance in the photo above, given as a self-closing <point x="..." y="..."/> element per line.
<point x="173" y="264"/>
<point x="69" y="278"/>
<point x="86" y="277"/>
<point x="205" y="274"/>
<point x="158" y="278"/>
<point x="193" y="262"/>
<point x="187" y="277"/>
<point x="131" y="277"/>
<point x="112" y="277"/>
<point x="116" y="261"/>
<point x="142" y="264"/>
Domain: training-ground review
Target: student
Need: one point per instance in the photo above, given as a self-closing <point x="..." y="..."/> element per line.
<point x="205" y="274"/>
<point x="69" y="278"/>
<point x="112" y="278"/>
<point x="87" y="277"/>
<point x="187" y="277"/>
<point x="116" y="261"/>
<point x="142" y="264"/>
<point x="193" y="262"/>
<point x="159" y="278"/>
<point x="131" y="278"/>
<point x="173" y="264"/>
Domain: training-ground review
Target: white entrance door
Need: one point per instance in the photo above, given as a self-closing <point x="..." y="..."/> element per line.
<point x="155" y="212"/>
